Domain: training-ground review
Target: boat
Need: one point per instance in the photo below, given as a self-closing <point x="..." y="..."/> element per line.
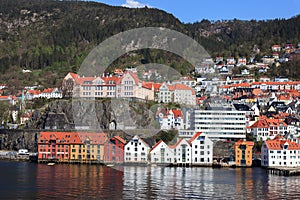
<point x="51" y="164"/>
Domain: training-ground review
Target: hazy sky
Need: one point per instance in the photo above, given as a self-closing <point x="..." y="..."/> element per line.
<point x="196" y="10"/>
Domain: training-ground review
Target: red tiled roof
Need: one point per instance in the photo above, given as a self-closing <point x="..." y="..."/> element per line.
<point x="177" y="143"/>
<point x="34" y="92"/>
<point x="5" y="97"/>
<point x="49" y="90"/>
<point x="160" y="141"/>
<point x="61" y="137"/>
<point x="114" y="79"/>
<point x="149" y="86"/>
<point x="82" y="80"/>
<point x="134" y="76"/>
<point x="177" y="113"/>
<point x="279" y="144"/>
<point x="74" y="76"/>
<point x="241" y="142"/>
<point x="257" y="91"/>
<point x="120" y="139"/>
<point x="261" y="123"/>
<point x="95" y="138"/>
<point x="195" y="137"/>
<point x="246" y="85"/>
<point x="225" y="86"/>
<point x="118" y="71"/>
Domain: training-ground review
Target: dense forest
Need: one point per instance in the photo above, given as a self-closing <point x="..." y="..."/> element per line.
<point x="53" y="37"/>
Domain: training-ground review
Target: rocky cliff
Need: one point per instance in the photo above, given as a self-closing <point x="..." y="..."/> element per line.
<point x="19" y="139"/>
<point x="93" y="114"/>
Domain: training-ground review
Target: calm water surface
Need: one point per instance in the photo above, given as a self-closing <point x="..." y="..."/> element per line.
<point x="38" y="181"/>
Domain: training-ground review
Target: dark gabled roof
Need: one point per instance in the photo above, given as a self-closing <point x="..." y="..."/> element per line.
<point x="242" y="107"/>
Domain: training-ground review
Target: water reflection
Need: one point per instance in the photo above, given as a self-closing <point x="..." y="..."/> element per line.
<point x="79" y="181"/>
<point x="39" y="181"/>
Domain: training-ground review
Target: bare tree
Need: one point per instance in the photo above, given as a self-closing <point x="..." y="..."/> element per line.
<point x="67" y="88"/>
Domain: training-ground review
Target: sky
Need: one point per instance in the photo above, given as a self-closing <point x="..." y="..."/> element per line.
<point x="189" y="11"/>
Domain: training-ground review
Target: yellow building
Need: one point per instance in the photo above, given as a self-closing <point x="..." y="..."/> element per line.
<point x="243" y="153"/>
<point x="92" y="148"/>
<point x="85" y="147"/>
<point x="75" y="147"/>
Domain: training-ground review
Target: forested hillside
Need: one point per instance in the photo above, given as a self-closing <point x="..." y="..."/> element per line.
<point x="53" y="37"/>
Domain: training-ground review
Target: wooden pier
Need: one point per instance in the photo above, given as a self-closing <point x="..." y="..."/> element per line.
<point x="281" y="171"/>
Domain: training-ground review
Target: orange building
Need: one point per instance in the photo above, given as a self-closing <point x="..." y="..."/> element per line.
<point x="56" y="145"/>
<point x="243" y="153"/>
<point x="71" y="146"/>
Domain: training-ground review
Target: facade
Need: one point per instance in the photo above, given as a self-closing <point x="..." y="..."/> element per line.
<point x="241" y="62"/>
<point x="114" y="150"/>
<point x="136" y="151"/>
<point x="162" y="154"/>
<point x="276" y="48"/>
<point x="71" y="146"/>
<point x="165" y="94"/>
<point x="32" y="94"/>
<point x="221" y="124"/>
<point x="202" y="149"/>
<point x="92" y="148"/>
<point x="243" y="153"/>
<point x="56" y="145"/>
<point x="280" y="153"/>
<point x="170" y="119"/>
<point x="51" y="93"/>
<point x="184" y="95"/>
<point x="177" y="93"/>
<point x="125" y="85"/>
<point x="186" y="80"/>
<point x="183" y="152"/>
<point x="265" y="128"/>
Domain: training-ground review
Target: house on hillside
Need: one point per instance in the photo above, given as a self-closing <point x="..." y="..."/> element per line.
<point x="169" y="118"/>
<point x="177" y="93"/>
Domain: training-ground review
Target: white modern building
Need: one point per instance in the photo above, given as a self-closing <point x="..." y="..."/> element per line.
<point x="202" y="149"/>
<point x="162" y="154"/>
<point x="221" y="124"/>
<point x="280" y="153"/>
<point x="136" y="151"/>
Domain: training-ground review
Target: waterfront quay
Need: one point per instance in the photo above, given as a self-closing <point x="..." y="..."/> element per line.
<point x="284" y="171"/>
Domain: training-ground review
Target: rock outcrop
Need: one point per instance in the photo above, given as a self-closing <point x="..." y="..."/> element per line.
<point x="19" y="139"/>
<point x="104" y="114"/>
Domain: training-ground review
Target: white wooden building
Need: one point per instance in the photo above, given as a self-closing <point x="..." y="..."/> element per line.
<point x="280" y="153"/>
<point x="136" y="151"/>
<point x="161" y="153"/>
<point x="202" y="149"/>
